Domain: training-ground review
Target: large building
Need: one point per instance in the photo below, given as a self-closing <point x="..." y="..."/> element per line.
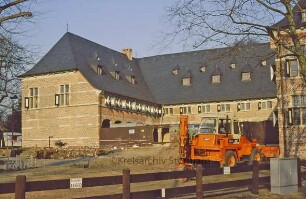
<point x="80" y="88"/>
<point x="291" y="94"/>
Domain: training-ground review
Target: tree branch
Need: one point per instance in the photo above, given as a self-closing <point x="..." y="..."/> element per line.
<point x="14" y="16"/>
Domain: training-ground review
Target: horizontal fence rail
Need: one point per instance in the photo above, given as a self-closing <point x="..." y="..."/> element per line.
<point x="255" y="181"/>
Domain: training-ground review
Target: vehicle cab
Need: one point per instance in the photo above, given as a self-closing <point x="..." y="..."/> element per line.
<point x="214" y="128"/>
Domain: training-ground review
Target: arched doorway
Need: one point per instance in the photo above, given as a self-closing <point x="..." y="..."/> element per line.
<point x="106" y="123"/>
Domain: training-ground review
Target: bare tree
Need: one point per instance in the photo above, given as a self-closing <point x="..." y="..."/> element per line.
<point x="224" y="22"/>
<point x="13" y="62"/>
<point x="12" y="12"/>
<point x="13" y="56"/>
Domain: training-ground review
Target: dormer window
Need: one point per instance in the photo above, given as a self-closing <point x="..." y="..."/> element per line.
<point x="175" y="71"/>
<point x="246" y="76"/>
<point x="203" y="69"/>
<point x="117" y="76"/>
<point x="99" y="70"/>
<point x="264" y="63"/>
<point x="186" y="81"/>
<point x="216" y="79"/>
<point x="232" y="65"/>
<point x="132" y="80"/>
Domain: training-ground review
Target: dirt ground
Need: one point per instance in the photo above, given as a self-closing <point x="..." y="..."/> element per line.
<point x="138" y="160"/>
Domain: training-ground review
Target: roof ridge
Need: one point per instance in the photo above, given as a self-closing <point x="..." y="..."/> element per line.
<point x="203" y="50"/>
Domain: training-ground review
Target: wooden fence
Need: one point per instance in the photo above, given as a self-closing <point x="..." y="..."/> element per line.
<point x="21" y="186"/>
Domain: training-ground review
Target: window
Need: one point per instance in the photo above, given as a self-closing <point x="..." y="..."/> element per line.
<point x="299" y="110"/>
<point x="265" y="105"/>
<point x="296" y="116"/>
<point x="202" y="69"/>
<point x="33" y="99"/>
<point x="185" y="110"/>
<point x="292" y="69"/>
<point x="246" y="76"/>
<point x="64" y="94"/>
<point x="168" y="111"/>
<point x="117" y="76"/>
<point x="99" y="70"/>
<point x="245" y="106"/>
<point x="132" y="80"/>
<point x="216" y="79"/>
<point x="224" y="107"/>
<point x="186" y="81"/>
<point x="204" y="109"/>
<point x="232" y="65"/>
<point x="299" y="100"/>
<point x="264" y="63"/>
<point x="175" y="71"/>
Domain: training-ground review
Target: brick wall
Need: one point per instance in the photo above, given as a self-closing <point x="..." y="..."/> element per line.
<point x="291" y="137"/>
<point x="76" y="124"/>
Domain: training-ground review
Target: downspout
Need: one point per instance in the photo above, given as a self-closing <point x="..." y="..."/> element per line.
<point x="100" y="114"/>
<point x="283" y="110"/>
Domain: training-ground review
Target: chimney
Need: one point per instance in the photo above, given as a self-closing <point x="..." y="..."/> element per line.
<point x="128" y="53"/>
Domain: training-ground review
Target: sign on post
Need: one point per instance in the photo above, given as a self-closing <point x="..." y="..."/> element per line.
<point x="75" y="183"/>
<point x="226" y="170"/>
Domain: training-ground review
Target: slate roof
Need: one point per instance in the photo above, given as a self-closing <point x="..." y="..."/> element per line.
<point x="156" y="82"/>
<point x="297" y="15"/>
<point x="73" y="52"/>
<point x="168" y="89"/>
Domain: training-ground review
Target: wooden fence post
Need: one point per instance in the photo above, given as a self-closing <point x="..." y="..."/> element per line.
<point x="20" y="187"/>
<point x="199" y="182"/>
<point x="126" y="184"/>
<point x="299" y="172"/>
<point x="255" y="178"/>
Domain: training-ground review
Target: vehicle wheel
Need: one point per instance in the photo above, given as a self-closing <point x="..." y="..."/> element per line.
<point x="255" y="155"/>
<point x="230" y="159"/>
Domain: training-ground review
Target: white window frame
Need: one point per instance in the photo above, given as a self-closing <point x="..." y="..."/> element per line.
<point x="245" y="106"/>
<point x="64" y="95"/>
<point x="133" y="80"/>
<point x="246" y="76"/>
<point x="99" y="70"/>
<point x="292" y="70"/>
<point x="216" y="78"/>
<point x="266" y="105"/>
<point x="205" y="108"/>
<point x="33" y="98"/>
<point x="186" y="81"/>
<point x="225" y="107"/>
<point x="117" y="75"/>
<point x="185" y="110"/>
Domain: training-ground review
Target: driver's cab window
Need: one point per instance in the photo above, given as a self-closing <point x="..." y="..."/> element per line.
<point x="224" y="126"/>
<point x="208" y="126"/>
<point x="236" y="127"/>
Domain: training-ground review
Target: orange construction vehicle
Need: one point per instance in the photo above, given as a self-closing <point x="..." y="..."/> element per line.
<point x="219" y="139"/>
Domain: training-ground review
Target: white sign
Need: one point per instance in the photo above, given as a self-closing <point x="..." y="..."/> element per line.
<point x="75" y="183"/>
<point x="226" y="170"/>
<point x="131" y="131"/>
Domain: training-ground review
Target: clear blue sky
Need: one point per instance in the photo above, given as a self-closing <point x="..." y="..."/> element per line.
<point x="117" y="24"/>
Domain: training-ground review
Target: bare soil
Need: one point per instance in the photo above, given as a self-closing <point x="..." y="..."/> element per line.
<point x="138" y="160"/>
